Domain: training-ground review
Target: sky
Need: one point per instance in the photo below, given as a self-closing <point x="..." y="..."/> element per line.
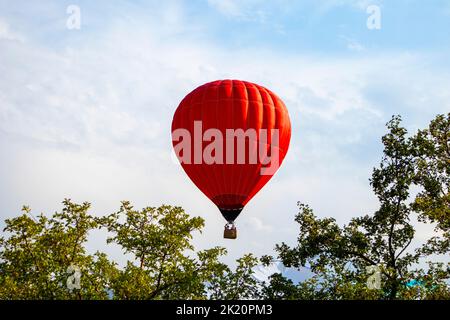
<point x="86" y="113"/>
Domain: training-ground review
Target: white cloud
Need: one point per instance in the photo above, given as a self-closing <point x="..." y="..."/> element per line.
<point x="249" y="10"/>
<point x="352" y="44"/>
<point x="252" y="9"/>
<point x="360" y="4"/>
<point x="227" y="7"/>
<point x="259" y="225"/>
<point x="7" y="34"/>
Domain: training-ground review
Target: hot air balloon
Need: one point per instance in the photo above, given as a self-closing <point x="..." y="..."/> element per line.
<point x="230" y="137"/>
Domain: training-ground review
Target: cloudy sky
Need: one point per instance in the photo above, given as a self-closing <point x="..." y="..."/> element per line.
<point x="86" y="113"/>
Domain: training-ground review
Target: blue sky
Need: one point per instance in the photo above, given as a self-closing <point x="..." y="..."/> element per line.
<point x="322" y="27"/>
<point x="86" y="113"/>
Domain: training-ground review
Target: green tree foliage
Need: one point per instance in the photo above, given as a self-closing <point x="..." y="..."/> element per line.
<point x="433" y="175"/>
<point x="239" y="284"/>
<point x="36" y="256"/>
<point x="159" y="239"/>
<point x="340" y="256"/>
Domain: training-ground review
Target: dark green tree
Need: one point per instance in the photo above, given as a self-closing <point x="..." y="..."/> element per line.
<point x="433" y="175"/>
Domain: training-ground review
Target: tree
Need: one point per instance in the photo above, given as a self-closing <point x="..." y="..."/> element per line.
<point x="158" y="240"/>
<point x="433" y="175"/>
<point x="240" y="284"/>
<point x="340" y="256"/>
<point x="45" y="257"/>
<point x="37" y="255"/>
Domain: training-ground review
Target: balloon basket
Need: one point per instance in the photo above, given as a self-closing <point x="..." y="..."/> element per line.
<point x="230" y="231"/>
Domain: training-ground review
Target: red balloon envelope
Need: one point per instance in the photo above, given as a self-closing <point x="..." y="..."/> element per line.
<point x="230" y="137"/>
